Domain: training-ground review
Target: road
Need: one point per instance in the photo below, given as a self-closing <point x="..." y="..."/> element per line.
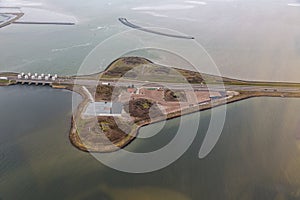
<point x="183" y="86"/>
<point x="174" y="86"/>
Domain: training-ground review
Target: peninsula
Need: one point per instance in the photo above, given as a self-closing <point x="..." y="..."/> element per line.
<point x="133" y="92"/>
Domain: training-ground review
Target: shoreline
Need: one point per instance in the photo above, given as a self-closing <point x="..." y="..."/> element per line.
<point x="91" y="141"/>
<point x="76" y="141"/>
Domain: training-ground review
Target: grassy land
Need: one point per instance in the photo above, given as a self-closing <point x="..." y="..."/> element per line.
<point x="106" y="134"/>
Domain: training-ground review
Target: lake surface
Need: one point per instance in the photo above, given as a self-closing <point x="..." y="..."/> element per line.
<point x="256" y="157"/>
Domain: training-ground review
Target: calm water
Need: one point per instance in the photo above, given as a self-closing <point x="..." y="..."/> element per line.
<point x="257" y="156"/>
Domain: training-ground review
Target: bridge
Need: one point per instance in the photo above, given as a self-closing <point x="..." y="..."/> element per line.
<point x="36" y="82"/>
<point x="34" y="78"/>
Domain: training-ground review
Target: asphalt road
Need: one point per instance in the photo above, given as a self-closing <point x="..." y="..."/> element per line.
<point x="174" y="86"/>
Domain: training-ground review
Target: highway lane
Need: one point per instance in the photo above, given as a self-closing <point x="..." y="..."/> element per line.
<point x="174" y="86"/>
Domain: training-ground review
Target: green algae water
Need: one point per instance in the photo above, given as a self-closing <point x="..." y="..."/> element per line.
<point x="258" y="153"/>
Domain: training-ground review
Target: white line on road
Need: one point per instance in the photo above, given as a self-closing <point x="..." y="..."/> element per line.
<point x="89" y="94"/>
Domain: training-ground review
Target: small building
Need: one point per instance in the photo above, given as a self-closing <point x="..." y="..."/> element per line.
<point x="19" y="76"/>
<point x="26" y="77"/>
<point x="35" y="74"/>
<point x="46" y="78"/>
<point x="32" y="77"/>
<point x="131" y="90"/>
<point x="53" y="78"/>
<point x="42" y="75"/>
<point x="3" y="78"/>
<point x="22" y="74"/>
<point x="39" y="77"/>
<point x="215" y="95"/>
<point x="29" y="74"/>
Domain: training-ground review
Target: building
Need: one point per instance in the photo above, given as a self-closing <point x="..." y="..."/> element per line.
<point x="3" y="78"/>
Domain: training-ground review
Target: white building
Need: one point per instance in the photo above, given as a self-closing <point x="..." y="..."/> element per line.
<point x="26" y="77"/>
<point x="32" y="77"/>
<point x="42" y="75"/>
<point x="53" y="78"/>
<point x="19" y="76"/>
<point x="22" y="74"/>
<point x="39" y="77"/>
<point x="29" y="74"/>
<point x="35" y="74"/>
<point x="46" y="78"/>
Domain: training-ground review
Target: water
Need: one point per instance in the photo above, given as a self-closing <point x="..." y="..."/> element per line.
<point x="257" y="156"/>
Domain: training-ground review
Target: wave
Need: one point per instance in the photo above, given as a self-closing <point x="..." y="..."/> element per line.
<point x="97" y="28"/>
<point x="294" y="4"/>
<point x="155" y="14"/>
<point x="71" y="47"/>
<point x="163" y="7"/>
<point x="196" y="2"/>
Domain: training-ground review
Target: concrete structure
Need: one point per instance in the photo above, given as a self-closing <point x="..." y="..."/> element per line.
<point x="32" y="78"/>
<point x="104" y="109"/>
